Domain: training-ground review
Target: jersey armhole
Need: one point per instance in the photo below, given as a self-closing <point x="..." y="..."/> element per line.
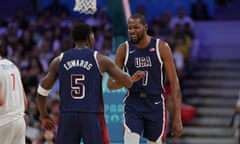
<point x="126" y="52"/>
<point x="60" y="57"/>
<point x="158" y="51"/>
<point x="160" y="60"/>
<point x="95" y="57"/>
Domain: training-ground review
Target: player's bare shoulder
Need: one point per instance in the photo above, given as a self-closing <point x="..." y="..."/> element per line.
<point x="54" y="64"/>
<point x="122" y="48"/>
<point x="164" y="49"/>
<point x="104" y="62"/>
<point x="163" y="45"/>
<point x="121" y="54"/>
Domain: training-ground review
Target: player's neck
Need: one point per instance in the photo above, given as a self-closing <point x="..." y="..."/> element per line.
<point x="81" y="45"/>
<point x="144" y="42"/>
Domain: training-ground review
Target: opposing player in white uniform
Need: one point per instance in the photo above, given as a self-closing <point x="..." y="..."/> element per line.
<point x="13" y="103"/>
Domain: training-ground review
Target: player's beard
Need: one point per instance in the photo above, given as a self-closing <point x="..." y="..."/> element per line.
<point x="138" y="39"/>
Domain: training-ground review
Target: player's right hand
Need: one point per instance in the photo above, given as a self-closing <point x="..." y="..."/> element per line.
<point x="48" y="123"/>
<point x="177" y="127"/>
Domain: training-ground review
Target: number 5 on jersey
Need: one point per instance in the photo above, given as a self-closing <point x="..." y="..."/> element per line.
<point x="78" y="88"/>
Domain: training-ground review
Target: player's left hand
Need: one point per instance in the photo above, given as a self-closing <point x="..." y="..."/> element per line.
<point x="138" y="75"/>
<point x="177" y="128"/>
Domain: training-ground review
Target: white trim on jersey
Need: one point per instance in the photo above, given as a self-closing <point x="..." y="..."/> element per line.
<point x="61" y="56"/>
<point x="127" y="52"/>
<point x="95" y="57"/>
<point x="126" y="55"/>
<point x="160" y="138"/>
<point x="160" y="60"/>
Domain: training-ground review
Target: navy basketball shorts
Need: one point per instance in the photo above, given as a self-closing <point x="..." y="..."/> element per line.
<point x="146" y="115"/>
<point x="88" y="127"/>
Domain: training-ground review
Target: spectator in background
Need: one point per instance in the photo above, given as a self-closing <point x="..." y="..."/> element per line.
<point x="199" y="11"/>
<point x="182" y="18"/>
<point x="195" y="45"/>
<point x="21" y="19"/>
<point x="181" y="42"/>
<point x="164" y="21"/>
<point x="27" y="41"/>
<point x="160" y="26"/>
<point x="155" y="28"/>
<point x="13" y="34"/>
<point x="179" y="62"/>
<point x="183" y="34"/>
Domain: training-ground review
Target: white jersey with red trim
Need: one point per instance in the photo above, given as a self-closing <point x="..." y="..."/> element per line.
<point x="12" y="92"/>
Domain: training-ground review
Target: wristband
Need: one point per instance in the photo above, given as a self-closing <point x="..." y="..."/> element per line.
<point x="42" y="91"/>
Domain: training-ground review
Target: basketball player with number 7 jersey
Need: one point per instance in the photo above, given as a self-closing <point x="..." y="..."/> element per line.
<point x="144" y="104"/>
<point x="13" y="103"/>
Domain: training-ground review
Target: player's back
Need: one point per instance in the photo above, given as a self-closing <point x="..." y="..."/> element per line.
<point x="12" y="90"/>
<point x="80" y="81"/>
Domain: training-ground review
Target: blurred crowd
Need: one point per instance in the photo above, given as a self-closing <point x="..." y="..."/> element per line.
<point x="32" y="42"/>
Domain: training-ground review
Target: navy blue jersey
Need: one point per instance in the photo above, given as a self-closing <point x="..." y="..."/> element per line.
<point x="80" y="81"/>
<point x="147" y="59"/>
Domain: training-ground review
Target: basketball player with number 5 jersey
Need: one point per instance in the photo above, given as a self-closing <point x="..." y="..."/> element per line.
<point x="80" y="72"/>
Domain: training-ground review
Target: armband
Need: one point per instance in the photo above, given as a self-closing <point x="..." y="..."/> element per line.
<point x="42" y="91"/>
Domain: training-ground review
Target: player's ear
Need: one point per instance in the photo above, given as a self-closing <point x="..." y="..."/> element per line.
<point x="91" y="39"/>
<point x="146" y="27"/>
